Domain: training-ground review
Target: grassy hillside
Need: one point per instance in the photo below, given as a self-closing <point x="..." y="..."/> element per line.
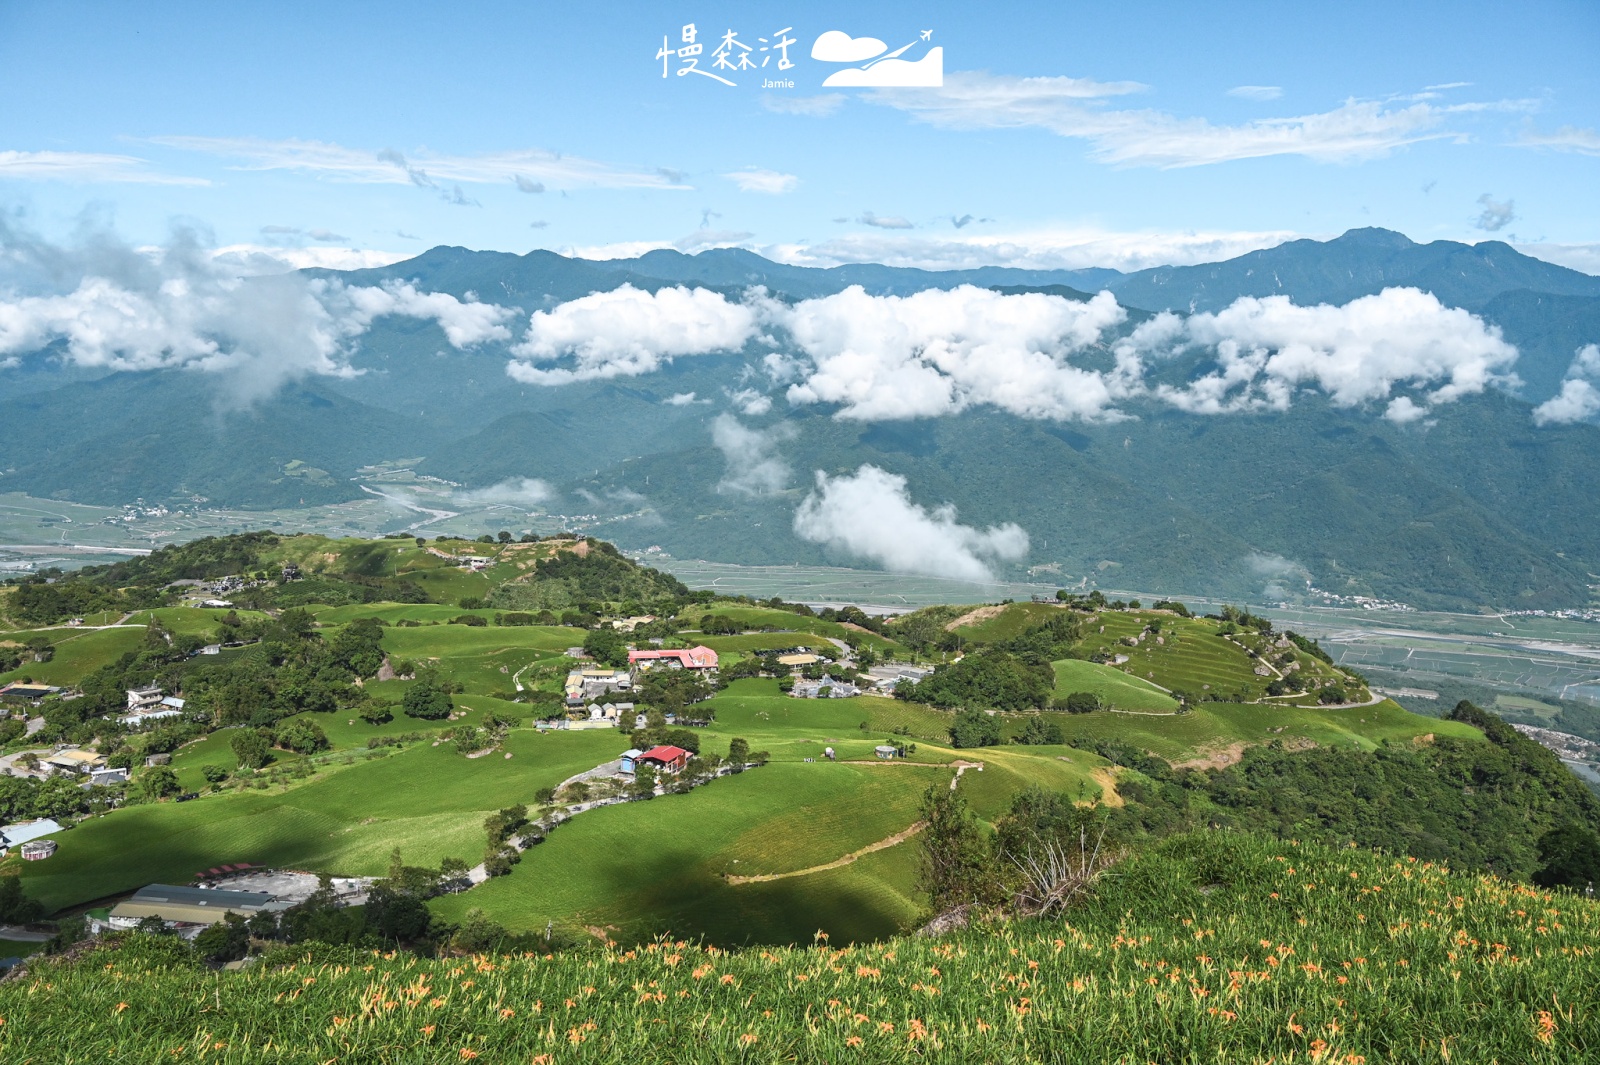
<point x="1233" y="948"/>
<point x="767" y="856"/>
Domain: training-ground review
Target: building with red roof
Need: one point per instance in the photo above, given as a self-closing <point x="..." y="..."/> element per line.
<point x="693" y="658"/>
<point x="665" y="759"/>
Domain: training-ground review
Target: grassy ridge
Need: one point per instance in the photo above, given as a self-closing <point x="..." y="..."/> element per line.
<point x="1206" y="948"/>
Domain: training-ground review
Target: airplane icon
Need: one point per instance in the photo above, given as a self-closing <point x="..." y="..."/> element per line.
<point x="927" y="35"/>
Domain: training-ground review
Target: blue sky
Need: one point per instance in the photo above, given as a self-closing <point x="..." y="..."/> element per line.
<point x="1069" y="135"/>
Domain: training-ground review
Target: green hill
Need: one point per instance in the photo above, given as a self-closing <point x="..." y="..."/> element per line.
<point x="1187" y="731"/>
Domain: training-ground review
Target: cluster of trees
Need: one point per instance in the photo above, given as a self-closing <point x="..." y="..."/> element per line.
<point x="1507" y="806"/>
<point x="975" y="728"/>
<point x="1488" y="806"/>
<point x="991" y="679"/>
<point x="600" y="575"/>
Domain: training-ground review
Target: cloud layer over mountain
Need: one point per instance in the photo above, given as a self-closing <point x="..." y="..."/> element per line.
<point x="104" y="305"/>
<point x="939" y="352"/>
<point x="869" y="515"/>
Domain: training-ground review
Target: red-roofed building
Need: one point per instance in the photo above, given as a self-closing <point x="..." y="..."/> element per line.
<point x="665" y="759"/>
<point x="693" y="658"/>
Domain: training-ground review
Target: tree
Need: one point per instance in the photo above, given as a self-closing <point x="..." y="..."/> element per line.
<point x="427" y="702"/>
<point x="1079" y="703"/>
<point x="1040" y="730"/>
<point x="644" y="783"/>
<point x="956" y="866"/>
<point x="227" y="940"/>
<point x="251" y="748"/>
<point x="397" y="915"/>
<point x="607" y="646"/>
<point x="154" y="783"/>
<point x="974" y="728"/>
<point x="215" y="774"/>
<point x="1569" y="856"/>
<point x="738" y="752"/>
<point x="15" y="907"/>
<point x="377" y="713"/>
<point x="302" y="737"/>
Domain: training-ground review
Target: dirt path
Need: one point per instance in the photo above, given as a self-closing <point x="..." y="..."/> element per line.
<point x="838" y="863"/>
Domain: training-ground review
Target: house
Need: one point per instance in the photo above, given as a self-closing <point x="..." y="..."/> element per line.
<point x="108" y="776"/>
<point x="474" y="562"/>
<point x="177" y="906"/>
<point x="609" y="711"/>
<point x="31" y="692"/>
<point x="211" y="649"/>
<point x="144" y="698"/>
<point x="630" y="759"/>
<point x="665" y="759"/>
<point x="75" y="761"/>
<point x="26" y="832"/>
<point x="885" y="751"/>
<point x="216" y="604"/>
<point x="693" y="658"/>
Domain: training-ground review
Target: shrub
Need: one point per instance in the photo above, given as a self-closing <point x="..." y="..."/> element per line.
<point x="427" y="702"/>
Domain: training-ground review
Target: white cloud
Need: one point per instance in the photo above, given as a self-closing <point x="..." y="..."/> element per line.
<point x="754" y="467"/>
<point x="1256" y="92"/>
<point x="423" y="168"/>
<point x="1068" y="107"/>
<point x="939" y="352"/>
<point x="1067" y="249"/>
<point x="88" y="167"/>
<point x="1357" y="353"/>
<point x="1495" y="215"/>
<point x="1579" y="399"/>
<point x="751" y="402"/>
<point x="811" y="106"/>
<point x="881" y="222"/>
<point x="1584" y="257"/>
<point x="701" y="239"/>
<point x="114" y="307"/>
<point x="524" y="492"/>
<point x="271" y="259"/>
<point x="1566" y="139"/>
<point x="464" y="324"/>
<point x="756" y="179"/>
<point x="629" y="331"/>
<point x="1403" y="410"/>
<point x="679" y="399"/>
<point x="869" y="515"/>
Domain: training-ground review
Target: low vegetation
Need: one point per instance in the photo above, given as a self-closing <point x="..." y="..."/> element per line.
<point x="1232" y="947"/>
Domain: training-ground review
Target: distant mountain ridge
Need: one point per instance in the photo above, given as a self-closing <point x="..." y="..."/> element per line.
<point x="1476" y="508"/>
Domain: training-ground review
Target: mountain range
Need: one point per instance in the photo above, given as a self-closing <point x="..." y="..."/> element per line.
<point x="1475" y="507"/>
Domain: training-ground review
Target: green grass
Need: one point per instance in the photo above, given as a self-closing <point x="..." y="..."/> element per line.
<point x="755" y="617"/>
<point x="648" y="867"/>
<point x="1114" y="687"/>
<point x="1011" y="620"/>
<point x="18" y="948"/>
<point x="1215" y="728"/>
<point x="1208" y="948"/>
<point x="426" y="800"/>
<point x="78" y="653"/>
